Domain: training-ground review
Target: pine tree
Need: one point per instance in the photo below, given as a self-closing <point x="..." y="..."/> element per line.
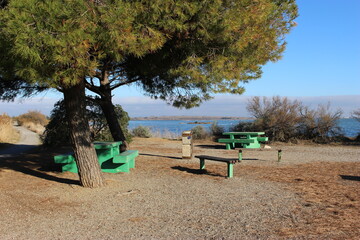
<point x="178" y="51"/>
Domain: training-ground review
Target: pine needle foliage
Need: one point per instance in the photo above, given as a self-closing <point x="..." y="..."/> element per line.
<point x="178" y="51"/>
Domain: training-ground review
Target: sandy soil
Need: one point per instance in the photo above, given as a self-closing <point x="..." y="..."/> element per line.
<point x="313" y="193"/>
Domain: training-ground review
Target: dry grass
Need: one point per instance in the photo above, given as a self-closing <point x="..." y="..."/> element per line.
<point x="34" y="121"/>
<point x="34" y="127"/>
<point x="7" y="133"/>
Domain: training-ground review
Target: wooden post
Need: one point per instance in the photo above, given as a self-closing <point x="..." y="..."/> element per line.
<point x="279" y="155"/>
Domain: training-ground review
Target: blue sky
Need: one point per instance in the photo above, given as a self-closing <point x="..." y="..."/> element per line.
<point x="321" y="64"/>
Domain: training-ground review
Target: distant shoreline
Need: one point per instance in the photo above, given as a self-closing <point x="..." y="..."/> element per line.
<point x="190" y="118"/>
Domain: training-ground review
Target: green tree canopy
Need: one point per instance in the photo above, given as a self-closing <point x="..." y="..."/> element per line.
<point x="179" y="51"/>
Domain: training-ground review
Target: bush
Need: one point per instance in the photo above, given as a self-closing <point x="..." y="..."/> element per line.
<point x="141" y="131"/>
<point x="243" y="127"/>
<point x="34" y="121"/>
<point x="356" y="114"/>
<point x="199" y="132"/>
<point x="35" y="117"/>
<point x="278" y="117"/>
<point x="216" y="130"/>
<point x="99" y="126"/>
<point x="7" y="133"/>
<point x="57" y="131"/>
<point x="285" y="120"/>
<point x="319" y="125"/>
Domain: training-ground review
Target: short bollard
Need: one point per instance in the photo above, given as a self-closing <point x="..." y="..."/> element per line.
<point x="240" y="155"/>
<point x="279" y="155"/>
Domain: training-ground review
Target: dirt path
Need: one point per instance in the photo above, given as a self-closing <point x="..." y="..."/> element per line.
<point x="28" y="140"/>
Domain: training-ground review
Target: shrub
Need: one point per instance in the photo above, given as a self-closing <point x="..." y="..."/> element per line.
<point x="286" y="120"/>
<point x="243" y="127"/>
<point x="216" y="130"/>
<point x="5" y="120"/>
<point x="141" y="131"/>
<point x="57" y="131"/>
<point x="199" y="132"/>
<point x="99" y="126"/>
<point x="319" y="125"/>
<point x="7" y="133"/>
<point x="278" y="117"/>
<point x="356" y="114"/>
<point x="34" y="121"/>
<point x="35" y="117"/>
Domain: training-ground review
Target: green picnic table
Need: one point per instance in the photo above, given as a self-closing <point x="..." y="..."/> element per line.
<point x="109" y="157"/>
<point x="245" y="139"/>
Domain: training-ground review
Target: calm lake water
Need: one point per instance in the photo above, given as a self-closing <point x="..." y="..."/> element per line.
<point x="350" y="127"/>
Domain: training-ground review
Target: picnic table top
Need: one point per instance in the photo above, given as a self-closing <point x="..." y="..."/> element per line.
<point x="244" y="133"/>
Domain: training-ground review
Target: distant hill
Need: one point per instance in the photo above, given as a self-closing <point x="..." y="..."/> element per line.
<point x="189" y="118"/>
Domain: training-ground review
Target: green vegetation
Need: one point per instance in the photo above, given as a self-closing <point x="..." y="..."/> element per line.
<point x="216" y="130"/>
<point x="142" y="132"/>
<point x="178" y="51"/>
<point x="199" y="132"/>
<point x="57" y="131"/>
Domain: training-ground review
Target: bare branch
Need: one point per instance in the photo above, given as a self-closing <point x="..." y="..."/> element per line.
<point x="124" y="83"/>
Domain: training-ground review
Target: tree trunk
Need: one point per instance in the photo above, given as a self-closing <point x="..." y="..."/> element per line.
<point x="112" y="120"/>
<point x="109" y="112"/>
<point x="86" y="159"/>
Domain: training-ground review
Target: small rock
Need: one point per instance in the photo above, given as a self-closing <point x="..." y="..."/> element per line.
<point x="267" y="147"/>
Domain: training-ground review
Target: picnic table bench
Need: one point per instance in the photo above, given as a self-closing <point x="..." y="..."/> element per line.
<point x="230" y="162"/>
<point x="109" y="157"/>
<point x="245" y="139"/>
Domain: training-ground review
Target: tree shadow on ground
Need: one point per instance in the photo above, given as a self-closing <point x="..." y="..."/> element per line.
<point x="7" y="149"/>
<point x="196" y="171"/>
<point x="251" y="159"/>
<point x="351" y="178"/>
<point x="36" y="164"/>
<point x="154" y="155"/>
<point x="208" y="146"/>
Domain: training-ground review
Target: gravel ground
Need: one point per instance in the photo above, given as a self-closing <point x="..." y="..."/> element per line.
<point x="166" y="197"/>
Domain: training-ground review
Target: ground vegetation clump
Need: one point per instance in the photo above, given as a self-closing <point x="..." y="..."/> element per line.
<point x="7" y="133"/>
<point x="33" y="120"/>
<point x="142" y="132"/>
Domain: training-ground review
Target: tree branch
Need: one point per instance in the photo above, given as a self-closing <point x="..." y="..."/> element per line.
<point x="124" y="83"/>
<point x="92" y="88"/>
